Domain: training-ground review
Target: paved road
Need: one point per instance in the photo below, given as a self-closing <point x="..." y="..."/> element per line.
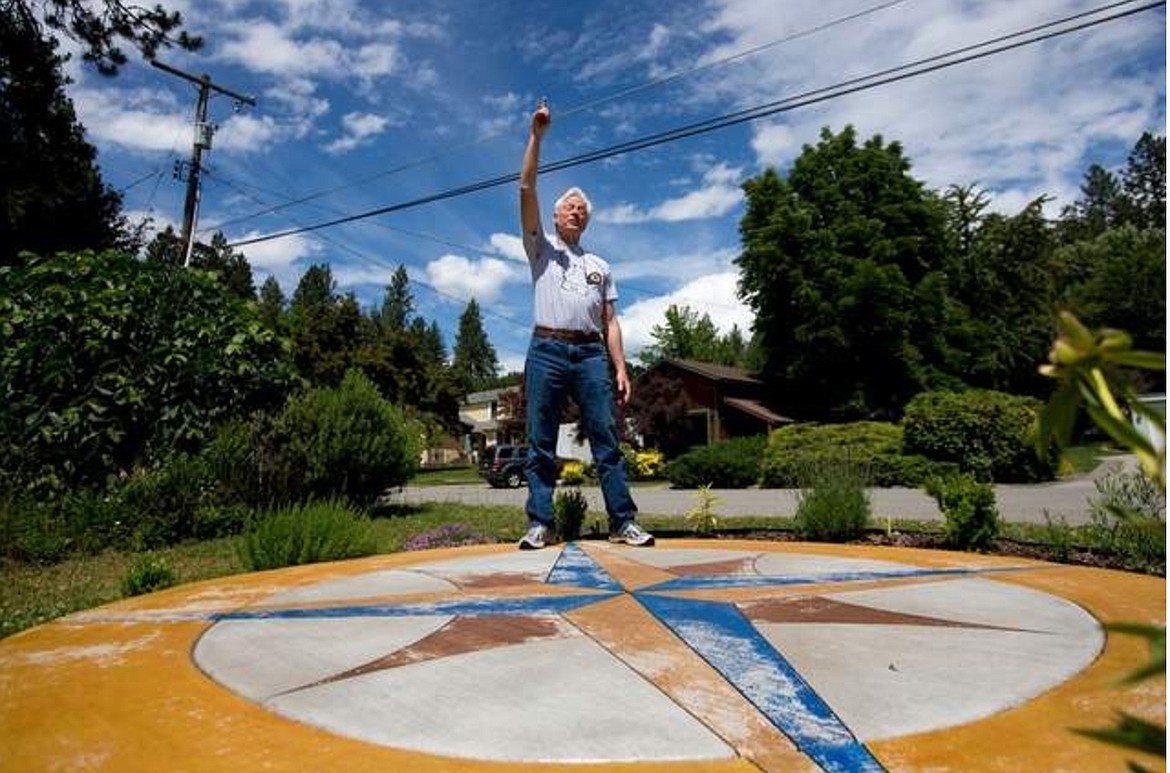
<point x="1067" y="499"/>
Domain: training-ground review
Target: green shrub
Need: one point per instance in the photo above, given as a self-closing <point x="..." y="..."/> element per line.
<point x="306" y="534"/>
<point x="147" y="574"/>
<point x="214" y="521"/>
<point x="1128" y="518"/>
<point x="833" y="505"/>
<point x="569" y="509"/>
<point x="972" y="518"/>
<point x="344" y="442"/>
<point x="732" y="463"/>
<point x="702" y="517"/>
<point x="109" y="361"/>
<point x="232" y="457"/>
<point x="32" y="531"/>
<point x="877" y="446"/>
<point x="986" y="433"/>
<point x="161" y="502"/>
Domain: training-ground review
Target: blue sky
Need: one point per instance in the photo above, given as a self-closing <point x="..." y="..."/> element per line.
<point x="363" y="105"/>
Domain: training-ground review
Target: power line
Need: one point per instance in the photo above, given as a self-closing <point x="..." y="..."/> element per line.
<point x="843" y="88"/>
<point x="235" y="185"/>
<point x="676" y="75"/>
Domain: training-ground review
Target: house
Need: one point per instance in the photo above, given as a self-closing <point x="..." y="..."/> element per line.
<point x="723" y="402"/>
<point x="486" y="415"/>
<point x="483" y="412"/>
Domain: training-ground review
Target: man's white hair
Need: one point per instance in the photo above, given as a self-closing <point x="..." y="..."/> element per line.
<point x="574" y="191"/>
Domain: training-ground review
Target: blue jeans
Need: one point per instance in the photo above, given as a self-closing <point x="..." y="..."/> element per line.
<point x="552" y="370"/>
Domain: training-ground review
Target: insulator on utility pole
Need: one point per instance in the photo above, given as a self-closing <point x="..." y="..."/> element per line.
<point x="203" y="134"/>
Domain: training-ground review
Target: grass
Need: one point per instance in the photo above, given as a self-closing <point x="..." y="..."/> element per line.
<point x="34" y="594"/>
<point x="448" y="476"/>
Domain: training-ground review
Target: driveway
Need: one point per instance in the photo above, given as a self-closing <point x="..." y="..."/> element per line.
<point x="1065" y="499"/>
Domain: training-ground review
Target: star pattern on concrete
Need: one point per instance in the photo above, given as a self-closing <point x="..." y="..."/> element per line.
<point x="515" y="608"/>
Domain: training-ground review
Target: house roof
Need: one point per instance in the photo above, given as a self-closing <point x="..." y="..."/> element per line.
<point x="756" y="409"/>
<point x="715" y="372"/>
<point x="487" y="395"/>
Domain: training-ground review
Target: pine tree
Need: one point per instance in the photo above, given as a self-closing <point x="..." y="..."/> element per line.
<point x="475" y="362"/>
<point x="272" y="304"/>
<point x="52" y="197"/>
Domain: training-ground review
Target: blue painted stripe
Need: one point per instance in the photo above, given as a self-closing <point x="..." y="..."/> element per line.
<point x="723" y="637"/>
<point x="698" y="582"/>
<point x="538" y="605"/>
<point x="575" y="567"/>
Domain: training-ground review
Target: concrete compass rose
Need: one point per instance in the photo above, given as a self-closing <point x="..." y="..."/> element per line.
<point x="594" y="653"/>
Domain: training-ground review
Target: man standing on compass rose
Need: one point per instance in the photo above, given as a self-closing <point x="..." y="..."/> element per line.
<point x="576" y="326"/>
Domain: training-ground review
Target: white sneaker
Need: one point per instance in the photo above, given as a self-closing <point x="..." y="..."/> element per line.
<point x="537" y="537"/>
<point x="632" y="534"/>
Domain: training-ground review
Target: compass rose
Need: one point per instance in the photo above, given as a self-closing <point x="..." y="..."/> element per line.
<point x="593" y="652"/>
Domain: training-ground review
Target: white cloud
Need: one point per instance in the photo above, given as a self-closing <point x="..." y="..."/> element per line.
<point x="246" y="133"/>
<point x="350" y="275"/>
<point x="376" y="59"/>
<point x="138" y="120"/>
<point x="1019" y="122"/>
<point x="649" y="261"/>
<point x="279" y="258"/>
<point x="262" y="46"/>
<point x="775" y="144"/>
<point x="719" y="195"/>
<point x="509" y="246"/>
<point x="482" y="279"/>
<point x="358" y="129"/>
<point x="714" y="295"/>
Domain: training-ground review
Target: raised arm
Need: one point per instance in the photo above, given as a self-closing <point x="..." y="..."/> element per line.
<point x="529" y="205"/>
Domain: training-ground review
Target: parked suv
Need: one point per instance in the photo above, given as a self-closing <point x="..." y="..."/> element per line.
<point x="503" y="466"/>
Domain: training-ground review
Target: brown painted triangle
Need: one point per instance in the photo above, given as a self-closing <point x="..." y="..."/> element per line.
<point x="713" y="568"/>
<point x="818" y="609"/>
<point x="460" y="635"/>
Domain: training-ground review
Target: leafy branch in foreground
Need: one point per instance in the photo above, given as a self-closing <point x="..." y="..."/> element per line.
<point x="1085" y="363"/>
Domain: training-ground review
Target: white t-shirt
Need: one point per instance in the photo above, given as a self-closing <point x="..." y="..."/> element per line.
<point x="569" y="285"/>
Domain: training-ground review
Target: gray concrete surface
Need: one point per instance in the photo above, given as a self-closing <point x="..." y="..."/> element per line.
<point x="1066" y="500"/>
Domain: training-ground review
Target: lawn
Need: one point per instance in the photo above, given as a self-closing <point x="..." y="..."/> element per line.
<point x="448" y="476"/>
<point x="34" y="594"/>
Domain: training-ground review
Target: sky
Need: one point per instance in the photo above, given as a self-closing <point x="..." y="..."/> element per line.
<point x="362" y="106"/>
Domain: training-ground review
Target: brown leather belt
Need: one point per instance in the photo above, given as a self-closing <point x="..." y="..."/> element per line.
<point x="568" y="336"/>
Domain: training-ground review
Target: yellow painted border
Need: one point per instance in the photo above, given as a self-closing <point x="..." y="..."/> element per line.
<point x="92" y="692"/>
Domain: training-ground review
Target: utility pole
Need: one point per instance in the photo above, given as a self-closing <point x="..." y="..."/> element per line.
<point x="203" y="134"/>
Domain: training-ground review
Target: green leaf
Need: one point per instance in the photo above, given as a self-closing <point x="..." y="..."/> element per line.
<point x="1132" y="733"/>
<point x="1145" y="360"/>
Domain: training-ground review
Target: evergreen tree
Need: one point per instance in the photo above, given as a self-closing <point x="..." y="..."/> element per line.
<point x="398" y="303"/>
<point x="475" y="362"/>
<point x="1144" y="183"/>
<point x="231" y="268"/>
<point x="840" y="264"/>
<point x="1006" y="292"/>
<point x="52" y="197"/>
<point x="1098" y="208"/>
<point x="101" y="26"/>
<point x="324" y="327"/>
<point x="272" y="304"/>
<point x="687" y="335"/>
